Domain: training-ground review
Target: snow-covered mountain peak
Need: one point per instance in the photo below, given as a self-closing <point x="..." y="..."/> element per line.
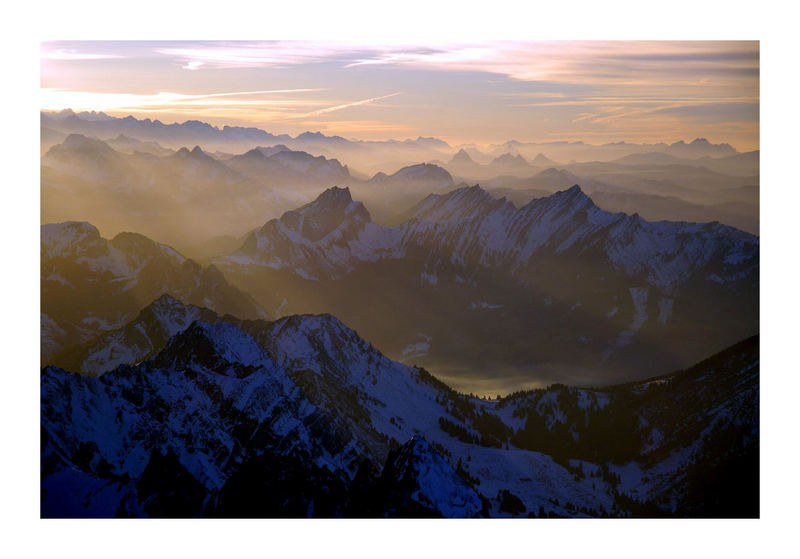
<point x="564" y="204"/>
<point x="462" y="203"/>
<point x="317" y="235"/>
<point x="64" y="238"/>
<point x="213" y="346"/>
<point x="333" y="234"/>
<point x="332" y="210"/>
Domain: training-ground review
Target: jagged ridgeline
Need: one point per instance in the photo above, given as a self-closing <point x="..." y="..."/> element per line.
<point x="302" y="417"/>
<point x="474" y="287"/>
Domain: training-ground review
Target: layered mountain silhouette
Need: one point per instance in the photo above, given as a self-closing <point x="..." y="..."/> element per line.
<point x="285" y="165"/>
<point x="102" y="125"/>
<point x="557" y="273"/>
<point x="424" y="175"/>
<point x="166" y="195"/>
<point x="134" y="184"/>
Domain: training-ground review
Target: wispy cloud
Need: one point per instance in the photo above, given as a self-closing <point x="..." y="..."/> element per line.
<point x="72" y="54"/>
<point x="56" y="98"/>
<point x="326" y="110"/>
<point x="273" y="104"/>
<point x="485" y="90"/>
<point x="255" y="55"/>
<point x="582" y="61"/>
<point x="357" y="126"/>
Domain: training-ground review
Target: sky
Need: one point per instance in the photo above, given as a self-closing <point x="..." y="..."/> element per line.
<point x="481" y="93"/>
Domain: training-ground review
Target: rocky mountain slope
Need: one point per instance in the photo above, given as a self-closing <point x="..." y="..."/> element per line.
<point x="302" y="417"/>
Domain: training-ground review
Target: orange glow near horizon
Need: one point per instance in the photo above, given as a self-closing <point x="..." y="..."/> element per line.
<point x="484" y="93"/>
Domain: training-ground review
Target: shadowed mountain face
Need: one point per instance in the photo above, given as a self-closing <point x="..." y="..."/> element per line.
<point x="302" y="417"/>
<point x="90" y="284"/>
<point x="555" y="291"/>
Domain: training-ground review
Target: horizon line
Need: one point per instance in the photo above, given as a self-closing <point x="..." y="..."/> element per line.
<point x="408" y="139"/>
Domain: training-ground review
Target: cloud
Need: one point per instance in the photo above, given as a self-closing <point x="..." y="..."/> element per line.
<point x="357" y="126"/>
<point x="274" y="104"/>
<point x="477" y="91"/>
<point x="586" y="62"/>
<point x="72" y="54"/>
<point x="55" y="99"/>
<point x="600" y="62"/>
<point x="729" y="111"/>
<point x="346" y="105"/>
<point x="255" y="55"/>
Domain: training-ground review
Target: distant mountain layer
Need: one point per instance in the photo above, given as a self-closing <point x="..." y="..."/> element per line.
<point x="193" y="131"/>
<point x="699" y="147"/>
<point x="167" y="195"/>
<point x="301" y="417"/>
<point x="740" y="164"/>
<point x="138" y="184"/>
<point x="424" y="175"/>
<point x="90" y="158"/>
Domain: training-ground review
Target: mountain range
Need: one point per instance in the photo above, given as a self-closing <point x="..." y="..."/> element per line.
<point x="165" y="196"/>
<point x="143" y="186"/>
<point x="302" y="417"/>
<point x="176" y="135"/>
<point x="298" y="326"/>
<point x="467" y="270"/>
